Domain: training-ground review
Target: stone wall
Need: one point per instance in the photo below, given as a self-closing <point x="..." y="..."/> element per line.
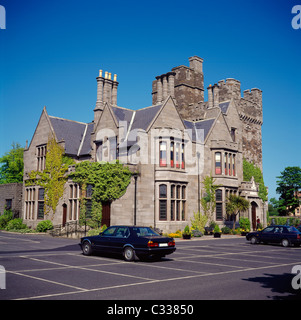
<point x="13" y="192"/>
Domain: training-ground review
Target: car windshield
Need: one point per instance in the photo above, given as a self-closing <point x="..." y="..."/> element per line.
<point x="145" y="232"/>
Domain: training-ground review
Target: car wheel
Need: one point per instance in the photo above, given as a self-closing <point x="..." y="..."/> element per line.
<point x="254" y="240"/>
<point x="129" y="254"/>
<point x="285" y="243"/>
<point x="86" y="247"/>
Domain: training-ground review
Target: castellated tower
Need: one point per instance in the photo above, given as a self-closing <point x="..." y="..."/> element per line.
<point x="186" y="86"/>
<point x="249" y="107"/>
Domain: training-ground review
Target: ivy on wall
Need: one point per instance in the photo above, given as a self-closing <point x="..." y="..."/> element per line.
<point x="53" y="177"/>
<point x="109" y="182"/>
<point x="249" y="171"/>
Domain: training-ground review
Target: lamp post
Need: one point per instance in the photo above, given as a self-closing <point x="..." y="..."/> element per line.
<point x="135" y="175"/>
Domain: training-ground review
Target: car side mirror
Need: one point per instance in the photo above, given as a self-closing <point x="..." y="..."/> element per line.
<point x="100" y="233"/>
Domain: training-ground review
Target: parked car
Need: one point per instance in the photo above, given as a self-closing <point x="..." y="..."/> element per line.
<point x="130" y="241"/>
<point x="285" y="235"/>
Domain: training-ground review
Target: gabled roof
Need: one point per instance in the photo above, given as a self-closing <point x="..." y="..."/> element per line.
<point x="136" y="119"/>
<point x="224" y="106"/>
<point x="199" y="129"/>
<point x="76" y="135"/>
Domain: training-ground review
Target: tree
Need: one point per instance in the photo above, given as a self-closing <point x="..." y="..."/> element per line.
<point x="208" y="202"/>
<point x="11" y="170"/>
<point x="273" y="207"/>
<point x="54" y="176"/>
<point x="289" y="184"/>
<point x="249" y="171"/>
<point x="235" y="205"/>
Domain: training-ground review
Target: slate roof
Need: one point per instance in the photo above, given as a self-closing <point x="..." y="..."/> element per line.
<point x="140" y="119"/>
<point x="77" y="135"/>
<point x="199" y="129"/>
<point x="224" y="106"/>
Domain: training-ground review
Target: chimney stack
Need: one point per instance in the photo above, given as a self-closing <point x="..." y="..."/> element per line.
<point x="215" y="96"/>
<point x="106" y="92"/>
<point x="210" y="96"/>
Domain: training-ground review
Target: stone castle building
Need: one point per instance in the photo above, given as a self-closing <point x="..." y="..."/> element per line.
<point x="172" y="145"/>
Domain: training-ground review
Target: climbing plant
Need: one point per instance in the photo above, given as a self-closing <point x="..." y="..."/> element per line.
<point x="109" y="182"/>
<point x="53" y="177"/>
<point x="250" y="170"/>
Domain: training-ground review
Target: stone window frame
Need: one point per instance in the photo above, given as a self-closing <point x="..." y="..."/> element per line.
<point x="30" y="203"/>
<point x="41" y="202"/>
<point x="175" y="201"/>
<point x="74" y="202"/>
<point x="41" y="152"/>
<point x="106" y="149"/>
<point x="171" y="153"/>
<point x="226" y="165"/>
<point x="219" y="205"/>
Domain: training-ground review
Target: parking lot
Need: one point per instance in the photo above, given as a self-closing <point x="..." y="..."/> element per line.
<point x="42" y="267"/>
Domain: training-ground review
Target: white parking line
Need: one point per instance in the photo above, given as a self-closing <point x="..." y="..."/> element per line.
<point x="154" y="281"/>
<point x="46" y="280"/>
<point x="85" y="268"/>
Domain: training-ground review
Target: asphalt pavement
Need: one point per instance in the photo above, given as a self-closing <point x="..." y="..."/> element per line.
<point x="40" y="267"/>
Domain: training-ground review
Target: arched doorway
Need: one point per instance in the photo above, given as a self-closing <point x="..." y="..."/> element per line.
<point x="254" y="214"/>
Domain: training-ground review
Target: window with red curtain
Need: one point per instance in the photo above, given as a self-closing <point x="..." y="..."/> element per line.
<point x="162" y="154"/>
<point x="218" y="168"/>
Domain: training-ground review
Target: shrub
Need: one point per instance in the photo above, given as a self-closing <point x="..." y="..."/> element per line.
<point x="217" y="229"/>
<point x="245" y="224"/>
<point x="93" y="232"/>
<point x="198" y="222"/>
<point x="226" y="230"/>
<point x="5" y="218"/>
<point x="45" y="225"/>
<point x="16" y="224"/>
<point x="197" y="233"/>
<point x="186" y="230"/>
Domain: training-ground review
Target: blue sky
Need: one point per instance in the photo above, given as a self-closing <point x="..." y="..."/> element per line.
<point x="51" y="51"/>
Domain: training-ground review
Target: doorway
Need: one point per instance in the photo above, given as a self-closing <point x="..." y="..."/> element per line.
<point x="106" y="213"/>
<point x="64" y="215"/>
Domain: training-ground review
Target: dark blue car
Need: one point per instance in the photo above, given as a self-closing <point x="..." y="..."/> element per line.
<point x="130" y="241"/>
<point x="284" y="235"/>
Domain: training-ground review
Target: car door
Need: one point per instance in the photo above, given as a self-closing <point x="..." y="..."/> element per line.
<point x="279" y="233"/>
<point x="119" y="239"/>
<point x="104" y="240"/>
<point x="267" y="234"/>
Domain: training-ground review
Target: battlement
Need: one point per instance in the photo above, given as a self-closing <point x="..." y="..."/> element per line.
<point x="254" y="95"/>
<point x="184" y="84"/>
